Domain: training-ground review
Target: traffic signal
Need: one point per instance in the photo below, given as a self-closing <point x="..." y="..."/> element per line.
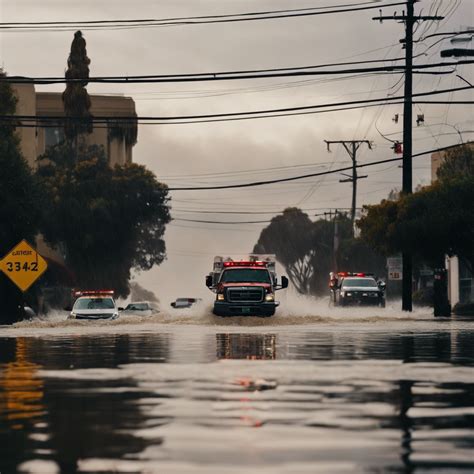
<point x="397" y="148"/>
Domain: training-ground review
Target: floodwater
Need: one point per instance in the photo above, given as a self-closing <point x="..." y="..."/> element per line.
<point x="311" y="390"/>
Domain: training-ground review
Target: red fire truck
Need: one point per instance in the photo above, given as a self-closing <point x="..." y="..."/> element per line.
<point x="245" y="287"/>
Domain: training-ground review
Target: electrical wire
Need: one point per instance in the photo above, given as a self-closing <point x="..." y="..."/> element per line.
<point x="190" y="20"/>
<point x="201" y="211"/>
<point x="220" y="76"/>
<point x="125" y="119"/>
<point x="295" y="178"/>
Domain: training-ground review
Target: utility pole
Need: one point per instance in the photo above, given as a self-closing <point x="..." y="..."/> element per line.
<point x="409" y="19"/>
<point x="351" y="147"/>
<point x="335" y="244"/>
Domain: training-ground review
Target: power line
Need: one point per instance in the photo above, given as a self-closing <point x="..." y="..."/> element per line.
<point x="200" y="211"/>
<point x="123" y="120"/>
<point x="448" y="33"/>
<point x="219" y="76"/>
<point x="295" y="178"/>
<point x="199" y="221"/>
<point x="222" y="222"/>
<point x="190" y="20"/>
<point x="252" y="171"/>
<point x="233" y="119"/>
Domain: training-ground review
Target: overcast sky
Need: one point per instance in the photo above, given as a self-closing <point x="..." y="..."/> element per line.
<point x="236" y="152"/>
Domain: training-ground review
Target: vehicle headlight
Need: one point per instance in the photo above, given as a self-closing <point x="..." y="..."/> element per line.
<point x="72" y="315"/>
<point x="270" y="297"/>
<point x="343" y="293"/>
<point x="349" y="294"/>
<point x="220" y="296"/>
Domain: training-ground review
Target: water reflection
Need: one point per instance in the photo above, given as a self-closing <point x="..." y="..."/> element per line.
<point x="66" y="420"/>
<point x="99" y="351"/>
<point x="246" y="346"/>
<point x="95" y="419"/>
<point x="372" y="400"/>
<point x="408" y="347"/>
<point x="21" y="390"/>
<point x="21" y="402"/>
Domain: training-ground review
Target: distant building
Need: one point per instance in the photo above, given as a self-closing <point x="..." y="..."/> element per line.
<point x="117" y="140"/>
<point x="460" y="279"/>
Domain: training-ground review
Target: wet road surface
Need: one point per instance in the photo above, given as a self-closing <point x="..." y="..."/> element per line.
<point x="347" y="392"/>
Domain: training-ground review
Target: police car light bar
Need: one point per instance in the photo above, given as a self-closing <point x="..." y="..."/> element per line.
<point x="358" y="274"/>
<point x="245" y="264"/>
<point x="93" y="293"/>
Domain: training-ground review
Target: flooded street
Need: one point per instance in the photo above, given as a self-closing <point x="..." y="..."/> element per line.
<point x="347" y="391"/>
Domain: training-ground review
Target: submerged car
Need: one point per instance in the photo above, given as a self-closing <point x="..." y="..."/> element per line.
<point x="181" y="303"/>
<point x="140" y="308"/>
<point x="358" y="289"/>
<point x="94" y="305"/>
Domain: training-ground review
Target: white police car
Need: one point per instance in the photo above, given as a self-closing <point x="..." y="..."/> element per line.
<point x="94" y="304"/>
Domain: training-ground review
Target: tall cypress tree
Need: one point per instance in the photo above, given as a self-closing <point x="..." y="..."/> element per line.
<point x="76" y="100"/>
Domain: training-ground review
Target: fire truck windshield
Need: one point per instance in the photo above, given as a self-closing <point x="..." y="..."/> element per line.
<point x="245" y="275"/>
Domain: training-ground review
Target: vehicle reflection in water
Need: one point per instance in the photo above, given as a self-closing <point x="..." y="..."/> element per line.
<point x="246" y="346"/>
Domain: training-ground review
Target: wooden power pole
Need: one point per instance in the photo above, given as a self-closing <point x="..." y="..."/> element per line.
<point x="409" y="19"/>
<point x="351" y="147"/>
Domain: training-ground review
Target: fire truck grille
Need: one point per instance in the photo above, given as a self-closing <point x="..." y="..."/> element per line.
<point x="245" y="295"/>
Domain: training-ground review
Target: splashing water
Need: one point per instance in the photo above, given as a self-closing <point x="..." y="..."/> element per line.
<point x="294" y="310"/>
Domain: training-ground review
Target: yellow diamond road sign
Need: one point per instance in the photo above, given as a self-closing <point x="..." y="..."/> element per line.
<point x="23" y="265"/>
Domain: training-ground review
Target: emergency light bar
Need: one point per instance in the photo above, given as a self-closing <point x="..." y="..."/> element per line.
<point x="79" y="293"/>
<point x="245" y="264"/>
<point x="360" y="274"/>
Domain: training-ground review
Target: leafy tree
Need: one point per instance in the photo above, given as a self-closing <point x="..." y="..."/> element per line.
<point x="20" y="201"/>
<point x="290" y="237"/>
<point x="431" y="223"/>
<point x="138" y="293"/>
<point x="306" y="249"/>
<point x="356" y="256"/>
<point x="108" y="220"/>
<point x="75" y="97"/>
<point x="459" y="161"/>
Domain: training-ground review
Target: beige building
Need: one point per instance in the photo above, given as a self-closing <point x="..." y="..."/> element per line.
<point x="117" y="140"/>
<point x="460" y="280"/>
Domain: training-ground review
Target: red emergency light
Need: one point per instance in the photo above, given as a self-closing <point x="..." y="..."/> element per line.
<point x="245" y="264"/>
<point x="79" y="293"/>
<point x="358" y="274"/>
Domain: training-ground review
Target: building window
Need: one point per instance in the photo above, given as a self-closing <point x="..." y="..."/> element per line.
<point x="53" y="136"/>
